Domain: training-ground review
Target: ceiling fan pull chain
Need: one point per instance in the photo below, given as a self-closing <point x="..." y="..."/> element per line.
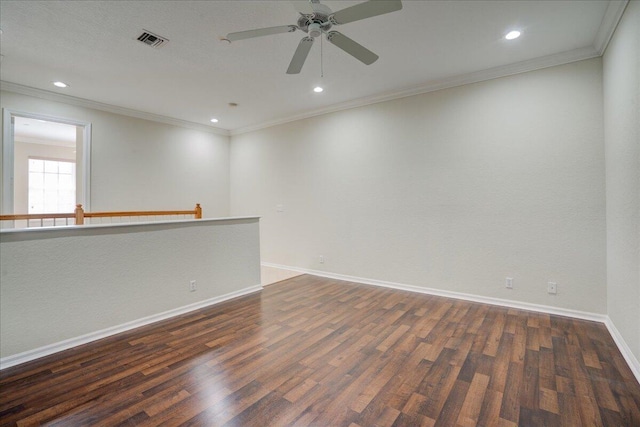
<point x="321" y="60"/>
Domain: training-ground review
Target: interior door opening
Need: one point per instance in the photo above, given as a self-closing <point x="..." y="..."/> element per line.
<point x="46" y="163"/>
<point x="44" y="166"/>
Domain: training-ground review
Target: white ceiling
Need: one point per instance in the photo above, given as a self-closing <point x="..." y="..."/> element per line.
<point x="92" y="46"/>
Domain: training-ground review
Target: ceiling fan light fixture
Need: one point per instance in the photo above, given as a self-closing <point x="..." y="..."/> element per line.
<point x="315" y="30"/>
<point x="511" y="35"/>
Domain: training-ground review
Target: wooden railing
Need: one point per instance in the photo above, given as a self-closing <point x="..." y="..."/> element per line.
<point x="79" y="215"/>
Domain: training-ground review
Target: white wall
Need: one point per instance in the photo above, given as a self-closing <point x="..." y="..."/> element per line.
<point x="143" y="165"/>
<point x="454" y="189"/>
<point x="92" y="278"/>
<point x="622" y="141"/>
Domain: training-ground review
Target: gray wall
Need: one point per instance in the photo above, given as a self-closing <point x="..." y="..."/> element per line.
<point x="452" y="190"/>
<point x="62" y="284"/>
<point x="622" y="141"/>
<point x="143" y="165"/>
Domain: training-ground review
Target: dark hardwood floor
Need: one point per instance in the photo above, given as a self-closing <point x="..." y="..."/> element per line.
<point x="313" y="351"/>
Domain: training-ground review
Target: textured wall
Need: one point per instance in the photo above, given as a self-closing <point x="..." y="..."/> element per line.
<point x="622" y="140"/>
<point x="454" y="189"/>
<point x="143" y="165"/>
<point x="64" y="283"/>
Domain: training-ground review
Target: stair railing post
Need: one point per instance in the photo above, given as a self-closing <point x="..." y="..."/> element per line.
<point x="79" y="215"/>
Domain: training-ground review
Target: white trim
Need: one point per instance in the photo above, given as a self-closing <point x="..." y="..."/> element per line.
<point x="45" y="141"/>
<point x="434" y="85"/>
<point x="86" y="167"/>
<point x="68" y="230"/>
<point x="7" y="166"/>
<point x="431" y="86"/>
<point x="628" y="355"/>
<point x="558" y="311"/>
<point x="81" y="102"/>
<point x="613" y="14"/>
<point x="8" y="152"/>
<point x="37" y="353"/>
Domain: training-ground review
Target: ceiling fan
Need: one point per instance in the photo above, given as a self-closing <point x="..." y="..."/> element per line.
<point x="317" y="19"/>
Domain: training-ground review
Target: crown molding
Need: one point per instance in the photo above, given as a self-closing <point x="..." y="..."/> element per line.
<point x="435" y="85"/>
<point x="609" y="23"/>
<point x="81" y="102"/>
<point x="612" y="17"/>
<point x="44" y="141"/>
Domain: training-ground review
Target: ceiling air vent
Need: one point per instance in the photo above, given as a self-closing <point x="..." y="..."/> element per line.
<point x="153" y="40"/>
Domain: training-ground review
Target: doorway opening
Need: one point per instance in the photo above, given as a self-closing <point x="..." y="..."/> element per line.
<point x="46" y="164"/>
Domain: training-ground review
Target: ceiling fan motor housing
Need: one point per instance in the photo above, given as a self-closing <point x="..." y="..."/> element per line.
<point x="316" y="22"/>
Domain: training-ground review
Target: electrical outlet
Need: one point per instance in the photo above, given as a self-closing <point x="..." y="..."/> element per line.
<point x="508" y="283"/>
<point x="321" y="259"/>
<point x="192" y="286"/>
<point x="552" y="288"/>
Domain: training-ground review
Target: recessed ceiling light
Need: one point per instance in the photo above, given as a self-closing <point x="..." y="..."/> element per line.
<point x="214" y="120"/>
<point x="317" y="89"/>
<point x="60" y="84"/>
<point x="512" y="35"/>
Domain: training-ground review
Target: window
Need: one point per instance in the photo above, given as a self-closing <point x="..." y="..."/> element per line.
<point x="52" y="186"/>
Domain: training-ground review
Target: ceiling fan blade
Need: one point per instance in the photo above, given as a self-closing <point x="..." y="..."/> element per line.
<point x="241" y="35"/>
<point x="300" y="56"/>
<point x="303" y="6"/>
<point x="365" y="10"/>
<point x="353" y="48"/>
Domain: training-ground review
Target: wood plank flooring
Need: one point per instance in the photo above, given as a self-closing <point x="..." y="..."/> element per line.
<point x="317" y="352"/>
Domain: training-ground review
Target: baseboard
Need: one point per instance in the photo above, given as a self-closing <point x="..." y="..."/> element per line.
<point x="632" y="360"/>
<point x="628" y="355"/>
<point x="450" y="294"/>
<point x="27" y="356"/>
